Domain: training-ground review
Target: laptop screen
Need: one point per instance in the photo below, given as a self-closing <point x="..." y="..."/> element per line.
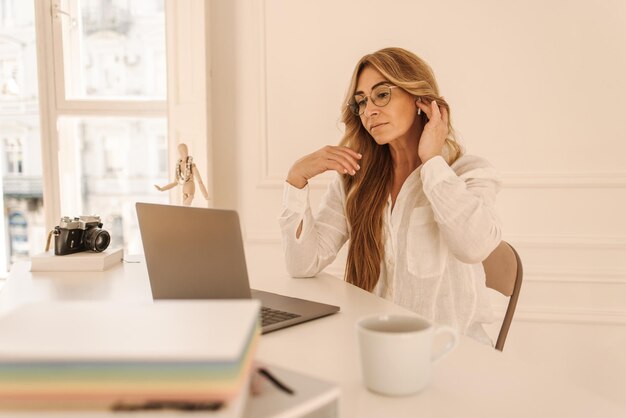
<point x="193" y="253"/>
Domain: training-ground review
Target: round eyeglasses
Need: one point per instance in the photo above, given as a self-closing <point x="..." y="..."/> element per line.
<point x="380" y="96"/>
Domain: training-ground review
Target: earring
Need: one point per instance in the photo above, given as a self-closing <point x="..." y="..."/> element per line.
<point x="419" y="111"/>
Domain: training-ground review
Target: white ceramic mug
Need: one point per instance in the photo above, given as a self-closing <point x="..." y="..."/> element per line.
<point x="396" y="352"/>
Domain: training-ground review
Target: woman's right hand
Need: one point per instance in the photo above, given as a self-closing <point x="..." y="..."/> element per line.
<point x="340" y="159"/>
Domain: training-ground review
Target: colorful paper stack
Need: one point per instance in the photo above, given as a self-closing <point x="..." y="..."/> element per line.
<point x="184" y="351"/>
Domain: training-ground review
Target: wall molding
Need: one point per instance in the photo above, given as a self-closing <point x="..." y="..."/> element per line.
<point x="529" y="180"/>
<point x="568" y="241"/>
<point x="573" y="179"/>
<point x="264" y="177"/>
<point x="578" y="276"/>
<point x="531" y="241"/>
<point x="565" y="316"/>
<point x="539" y="273"/>
<point x="269" y="180"/>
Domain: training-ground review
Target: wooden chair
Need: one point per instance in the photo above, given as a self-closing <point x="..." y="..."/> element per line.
<point x="503" y="273"/>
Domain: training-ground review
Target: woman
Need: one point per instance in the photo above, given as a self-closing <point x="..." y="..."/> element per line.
<point x="418" y="213"/>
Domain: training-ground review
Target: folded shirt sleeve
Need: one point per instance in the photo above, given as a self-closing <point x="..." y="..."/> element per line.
<point x="321" y="236"/>
<point x="463" y="197"/>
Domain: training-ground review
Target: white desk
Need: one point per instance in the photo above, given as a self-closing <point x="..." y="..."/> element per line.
<point x="473" y="381"/>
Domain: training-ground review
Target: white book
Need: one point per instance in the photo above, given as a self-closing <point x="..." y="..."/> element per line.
<point x="168" y="331"/>
<point x="82" y="261"/>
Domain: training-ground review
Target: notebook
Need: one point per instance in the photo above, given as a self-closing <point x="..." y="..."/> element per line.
<point x="91" y="354"/>
<point x="197" y="253"/>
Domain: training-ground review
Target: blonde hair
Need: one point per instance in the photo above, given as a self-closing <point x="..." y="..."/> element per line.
<point x="367" y="192"/>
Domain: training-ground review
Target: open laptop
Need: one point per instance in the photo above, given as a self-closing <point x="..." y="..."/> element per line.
<point x="197" y="253"/>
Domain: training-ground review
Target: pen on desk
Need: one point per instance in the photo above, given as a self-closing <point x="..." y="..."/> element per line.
<point x="280" y="385"/>
<point x="160" y="405"/>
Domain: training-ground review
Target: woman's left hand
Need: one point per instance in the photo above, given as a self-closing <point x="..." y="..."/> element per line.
<point x="435" y="131"/>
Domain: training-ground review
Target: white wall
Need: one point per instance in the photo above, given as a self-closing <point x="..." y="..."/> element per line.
<point x="535" y="87"/>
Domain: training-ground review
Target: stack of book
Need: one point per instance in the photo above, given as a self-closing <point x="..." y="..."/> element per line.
<point x="127" y="355"/>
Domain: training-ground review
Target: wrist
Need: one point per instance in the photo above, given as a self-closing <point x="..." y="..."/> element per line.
<point x="296" y="181"/>
<point x="428" y="157"/>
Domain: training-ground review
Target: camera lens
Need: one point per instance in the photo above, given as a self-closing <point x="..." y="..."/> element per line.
<point x="97" y="239"/>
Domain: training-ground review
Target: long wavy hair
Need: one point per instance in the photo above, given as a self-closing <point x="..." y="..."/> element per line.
<point x="368" y="190"/>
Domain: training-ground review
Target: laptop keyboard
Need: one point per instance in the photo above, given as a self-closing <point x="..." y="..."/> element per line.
<point x="271" y="316"/>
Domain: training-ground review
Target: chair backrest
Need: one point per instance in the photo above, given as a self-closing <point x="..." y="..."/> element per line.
<point x="503" y="273"/>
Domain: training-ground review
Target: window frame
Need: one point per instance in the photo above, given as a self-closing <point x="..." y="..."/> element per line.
<point x="183" y="19"/>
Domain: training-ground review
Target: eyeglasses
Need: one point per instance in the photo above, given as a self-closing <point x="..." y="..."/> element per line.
<point x="381" y="95"/>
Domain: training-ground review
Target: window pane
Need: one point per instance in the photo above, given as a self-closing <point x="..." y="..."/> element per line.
<point x="114" y="49"/>
<point x="22" y="229"/>
<point x="108" y="164"/>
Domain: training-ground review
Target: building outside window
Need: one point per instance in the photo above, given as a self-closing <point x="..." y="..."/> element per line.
<point x="113" y="51"/>
<point x="20" y="140"/>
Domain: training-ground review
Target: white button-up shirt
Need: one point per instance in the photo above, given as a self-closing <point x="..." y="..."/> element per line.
<point x="442" y="227"/>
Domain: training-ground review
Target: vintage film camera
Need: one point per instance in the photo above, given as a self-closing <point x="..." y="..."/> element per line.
<point x="73" y="235"/>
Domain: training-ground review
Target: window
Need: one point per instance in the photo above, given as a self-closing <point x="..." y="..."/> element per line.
<point x="114" y="107"/>
<point x="111" y="116"/>
<point x="13" y="152"/>
<point x="115" y="162"/>
<point x="115" y="49"/>
<point x="22" y="220"/>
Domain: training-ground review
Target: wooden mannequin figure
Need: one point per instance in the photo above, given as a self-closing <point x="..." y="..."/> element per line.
<point x="186" y="171"/>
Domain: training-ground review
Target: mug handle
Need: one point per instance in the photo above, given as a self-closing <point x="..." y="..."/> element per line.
<point x="454" y="341"/>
